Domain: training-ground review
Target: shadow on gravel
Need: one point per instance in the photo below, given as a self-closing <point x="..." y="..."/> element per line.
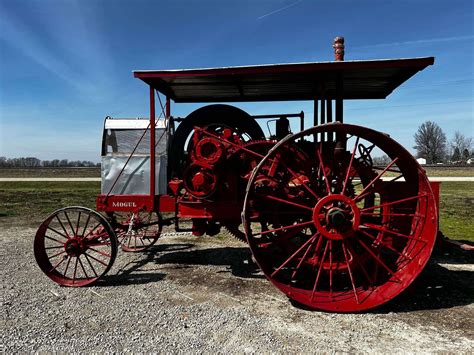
<point x="238" y="262"/>
<point x="437" y="287"/>
<point x="130" y="273"/>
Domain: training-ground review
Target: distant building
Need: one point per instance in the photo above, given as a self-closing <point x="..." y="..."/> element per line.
<point x="421" y="161"/>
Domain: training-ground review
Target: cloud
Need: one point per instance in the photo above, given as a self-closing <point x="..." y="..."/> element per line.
<point x="278" y="10"/>
<point x="420" y="41"/>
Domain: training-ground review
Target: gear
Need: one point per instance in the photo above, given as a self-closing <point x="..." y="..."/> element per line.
<point x="234" y="231"/>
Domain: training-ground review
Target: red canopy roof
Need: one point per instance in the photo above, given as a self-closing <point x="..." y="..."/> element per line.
<point x="361" y="79"/>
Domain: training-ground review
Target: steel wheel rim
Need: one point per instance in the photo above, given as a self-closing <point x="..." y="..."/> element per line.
<point x="75" y="246"/>
<point x="354" y="294"/>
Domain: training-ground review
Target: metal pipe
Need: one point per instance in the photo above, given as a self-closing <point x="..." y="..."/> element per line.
<point x="315" y="117"/>
<point x="152" y="147"/>
<point x="278" y="115"/>
<point x="329" y="117"/>
<point x="328" y="110"/>
<point x="323" y="116"/>
<point x="168" y="107"/>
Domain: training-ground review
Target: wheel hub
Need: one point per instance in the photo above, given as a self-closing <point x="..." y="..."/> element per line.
<point x="74" y="247"/>
<point x="336" y="217"/>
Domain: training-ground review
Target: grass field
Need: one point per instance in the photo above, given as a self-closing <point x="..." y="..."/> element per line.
<point x="49" y="172"/>
<point x="450" y="171"/>
<point x="28" y="203"/>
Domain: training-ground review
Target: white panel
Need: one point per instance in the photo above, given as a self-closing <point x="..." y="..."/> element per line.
<point x="133" y="123"/>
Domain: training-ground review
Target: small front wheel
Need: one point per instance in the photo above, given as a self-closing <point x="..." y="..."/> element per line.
<point x="75" y="246"/>
<point x="136" y="232"/>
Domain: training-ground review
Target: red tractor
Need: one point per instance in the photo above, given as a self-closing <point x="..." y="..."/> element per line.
<point x="329" y="222"/>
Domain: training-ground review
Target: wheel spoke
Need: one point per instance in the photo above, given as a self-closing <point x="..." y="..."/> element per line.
<point x="69" y="222"/>
<point x="369" y="185"/>
<point x="361" y="266"/>
<point x="51" y="238"/>
<point x="101" y="253"/>
<point x="383" y="214"/>
<point x="350" y="273"/>
<point x="323" y="168"/>
<point x="386" y="245"/>
<point x="317" y="251"/>
<point x="330" y="267"/>
<point x="62" y="226"/>
<point x="274" y="198"/>
<point x="99" y="261"/>
<point x="304" y="257"/>
<point x="382" y="229"/>
<point x="59" y="246"/>
<point x="86" y="225"/>
<point x="93" y="229"/>
<point x="293" y="255"/>
<point x="55" y="266"/>
<point x="90" y="264"/>
<point x="393" y="202"/>
<point x="296" y="176"/>
<point x="78" y="220"/>
<point x="291" y="226"/>
<point x="319" y="270"/>
<point x="75" y="270"/>
<point x="55" y="231"/>
<point x="349" y="167"/>
<point x="380" y="187"/>
<point x="67" y="266"/>
<point x="57" y="254"/>
<point x="376" y="258"/>
<point x="82" y="267"/>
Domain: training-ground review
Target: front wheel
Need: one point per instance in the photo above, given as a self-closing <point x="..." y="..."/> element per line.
<point x="136" y="232"/>
<point x="75" y="246"/>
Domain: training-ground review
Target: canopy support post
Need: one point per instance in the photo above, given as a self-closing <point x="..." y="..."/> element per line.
<point x="323" y="114"/>
<point x="152" y="147"/>
<point x="168" y="107"/>
<point x="315" y="118"/>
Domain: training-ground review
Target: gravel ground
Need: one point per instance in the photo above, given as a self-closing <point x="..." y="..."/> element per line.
<point x="204" y="295"/>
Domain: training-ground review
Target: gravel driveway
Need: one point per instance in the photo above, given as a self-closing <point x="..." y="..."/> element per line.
<point x="205" y="295"/>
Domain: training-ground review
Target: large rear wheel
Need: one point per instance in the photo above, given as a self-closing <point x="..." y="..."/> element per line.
<point x="347" y="225"/>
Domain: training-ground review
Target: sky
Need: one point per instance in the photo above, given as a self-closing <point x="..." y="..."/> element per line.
<point x="66" y="64"/>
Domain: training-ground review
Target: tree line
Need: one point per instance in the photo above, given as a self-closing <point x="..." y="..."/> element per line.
<point x="32" y="162"/>
<point x="431" y="144"/>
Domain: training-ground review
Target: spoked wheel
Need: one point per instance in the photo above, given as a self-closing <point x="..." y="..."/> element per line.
<point x="334" y="231"/>
<point x="136" y="232"/>
<point x="75" y="246"/>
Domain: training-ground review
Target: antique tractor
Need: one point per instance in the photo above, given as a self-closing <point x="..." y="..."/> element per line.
<point x="328" y="222"/>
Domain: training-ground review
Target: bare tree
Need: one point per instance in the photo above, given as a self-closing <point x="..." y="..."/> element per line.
<point x="430" y="142"/>
<point x="456" y="155"/>
<point x="461" y="144"/>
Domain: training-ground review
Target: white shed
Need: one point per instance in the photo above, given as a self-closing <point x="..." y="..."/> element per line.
<point x="421" y="161"/>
